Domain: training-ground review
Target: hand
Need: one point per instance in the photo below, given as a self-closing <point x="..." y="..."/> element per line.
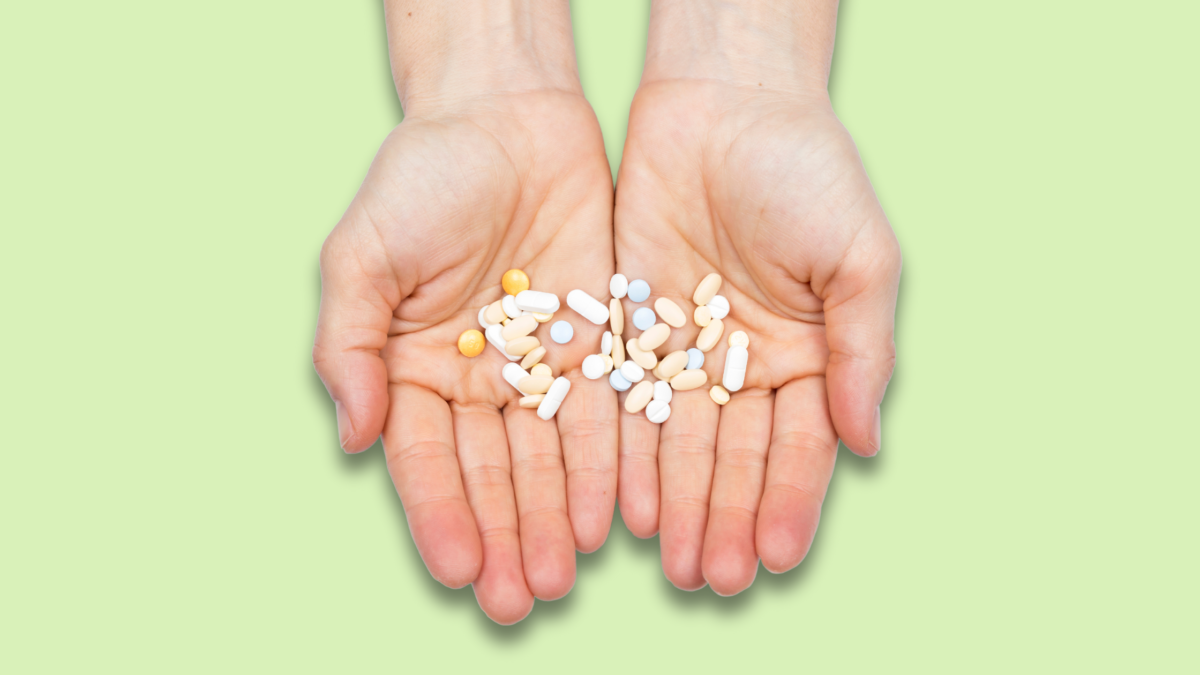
<point x="468" y="186"/>
<point x="763" y="185"/>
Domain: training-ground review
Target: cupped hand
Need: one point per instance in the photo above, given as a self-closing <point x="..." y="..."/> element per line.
<point x="494" y="496"/>
<point x="767" y="189"/>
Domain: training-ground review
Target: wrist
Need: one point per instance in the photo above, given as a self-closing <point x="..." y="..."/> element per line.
<point x="445" y="53"/>
<point x="782" y="45"/>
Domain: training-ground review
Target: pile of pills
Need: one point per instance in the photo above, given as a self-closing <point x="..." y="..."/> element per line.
<point x="508" y="325"/>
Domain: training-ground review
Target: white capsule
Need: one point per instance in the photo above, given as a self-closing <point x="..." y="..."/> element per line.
<point x="588" y="307"/>
<point x="537" y="301"/>
<point x="513" y="374"/>
<point x="618" y="286"/>
<point x="509" y="303"/>
<point x="718" y="307"/>
<point x="483" y="322"/>
<point x="593" y="366"/>
<point x="735" y="368"/>
<point x="658" y="412"/>
<point x="606" y="343"/>
<point x="632" y="371"/>
<point x="493" y="335"/>
<point x="662" y="391"/>
<point x="554" y="398"/>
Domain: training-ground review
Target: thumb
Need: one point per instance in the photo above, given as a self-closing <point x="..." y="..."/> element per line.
<point x="358" y="295"/>
<point x="860" y="310"/>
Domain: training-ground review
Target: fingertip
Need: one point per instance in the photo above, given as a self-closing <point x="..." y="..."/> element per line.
<point x="729" y="571"/>
<point x="683" y="571"/>
<point x="590" y="536"/>
<point x="551" y="580"/>
<point x="450" y="546"/>
<point x="640" y="516"/>
<point x="785" y="531"/>
<point x="504" y="601"/>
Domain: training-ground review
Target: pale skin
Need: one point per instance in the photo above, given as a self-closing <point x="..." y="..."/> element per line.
<point x="499" y="164"/>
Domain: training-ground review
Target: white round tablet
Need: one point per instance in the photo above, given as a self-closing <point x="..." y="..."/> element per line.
<point x="632" y="372"/>
<point x="593" y="367"/>
<point x="658" y="412"/>
<point x="718" y="307"/>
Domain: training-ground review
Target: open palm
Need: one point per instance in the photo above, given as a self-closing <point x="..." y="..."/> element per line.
<point x="768" y="191"/>
<point x="493" y="494"/>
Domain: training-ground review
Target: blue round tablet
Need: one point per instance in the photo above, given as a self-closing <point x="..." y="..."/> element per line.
<point x="644" y="318"/>
<point x="695" y="358"/>
<point x="639" y="290"/>
<point x="618" y="381"/>
<point x="561" y="332"/>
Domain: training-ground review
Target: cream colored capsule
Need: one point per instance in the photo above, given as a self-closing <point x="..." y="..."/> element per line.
<point x="708" y="287"/>
<point x="657" y="372"/>
<point x="616" y="316"/>
<point x="618" y="351"/>
<point x="645" y="359"/>
<point x="522" y="346"/>
<point x="531" y="401"/>
<point x="718" y="394"/>
<point x="533" y="358"/>
<point x="542" y="318"/>
<point x="702" y="316"/>
<point x="542" y="370"/>
<point x="738" y="338"/>
<point x="653" y="337"/>
<point x="493" y="336"/>
<point x="671" y="365"/>
<point x="710" y="335"/>
<point x="670" y="313"/>
<point x="689" y="379"/>
<point x="519" y="327"/>
<point x="608" y="363"/>
<point x="495" y="313"/>
<point x="535" y="384"/>
<point x="639" y="396"/>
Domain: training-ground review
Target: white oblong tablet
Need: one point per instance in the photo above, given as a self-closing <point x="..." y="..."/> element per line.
<point x="632" y="372"/>
<point x="606" y="343"/>
<point x="509" y="303"/>
<point x="493" y="335"/>
<point x="554" y="398"/>
<point x="718" y="307"/>
<point x="735" y="368"/>
<point x="593" y="367"/>
<point x="588" y="307"/>
<point x="483" y="322"/>
<point x="513" y="374"/>
<point x="658" y="412"/>
<point x="662" y="391"/>
<point x="618" y="285"/>
<point x="537" y="301"/>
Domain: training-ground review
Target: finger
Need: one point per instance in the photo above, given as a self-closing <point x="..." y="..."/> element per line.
<point x="358" y="295"/>
<point x="487" y="478"/>
<point x="637" y="486"/>
<point x="539" y="482"/>
<point x="730" y="559"/>
<point x="860" y="309"/>
<point x="587" y="427"/>
<point x="419" y="444"/>
<point x="685" y="464"/>
<point x="799" y="466"/>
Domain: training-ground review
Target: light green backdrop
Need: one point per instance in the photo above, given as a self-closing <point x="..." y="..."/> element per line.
<point x="172" y="497"/>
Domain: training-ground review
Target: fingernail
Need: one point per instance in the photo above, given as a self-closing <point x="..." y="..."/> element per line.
<point x="345" y="428"/>
<point x="876" y="430"/>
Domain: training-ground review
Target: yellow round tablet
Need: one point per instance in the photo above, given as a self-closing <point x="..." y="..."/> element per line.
<point x="515" y="281"/>
<point x="470" y="343"/>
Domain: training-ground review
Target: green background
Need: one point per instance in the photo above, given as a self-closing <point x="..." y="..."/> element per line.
<point x="172" y="496"/>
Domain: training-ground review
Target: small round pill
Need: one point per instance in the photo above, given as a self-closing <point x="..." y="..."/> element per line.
<point x="470" y="343"/>
<point x="632" y="371"/>
<point x="531" y="401"/>
<point x="662" y="391"/>
<point x="514" y="281"/>
<point x="644" y="318"/>
<point x="618" y="286"/>
<point x="718" y="394"/>
<point x="639" y="396"/>
<point x="608" y="363"/>
<point x="606" y="343"/>
<point x="738" y="338"/>
<point x="718" y="307"/>
<point x="541" y="369"/>
<point x="695" y="359"/>
<point x="702" y="316"/>
<point x="658" y="411"/>
<point x="639" y="290"/>
<point x="561" y="332"/>
<point x="593" y="367"/>
<point x="670" y="313"/>
<point x="540" y="317"/>
<point x="617" y="381"/>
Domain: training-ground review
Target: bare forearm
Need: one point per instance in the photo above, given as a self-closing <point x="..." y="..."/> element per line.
<point x="782" y="44"/>
<point x="453" y="50"/>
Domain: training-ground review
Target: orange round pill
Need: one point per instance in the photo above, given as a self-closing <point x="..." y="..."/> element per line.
<point x="470" y="343"/>
<point x="515" y="281"/>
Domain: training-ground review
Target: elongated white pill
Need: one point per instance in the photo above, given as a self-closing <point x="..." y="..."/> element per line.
<point x="632" y="371"/>
<point x="618" y="286"/>
<point x="606" y="343"/>
<point x="483" y="322"/>
<point x="643" y="318"/>
<point x="718" y="307"/>
<point x="662" y="391"/>
<point x="670" y="313"/>
<point x="593" y="367"/>
<point x="537" y="301"/>
<point x="513" y="374"/>
<point x="509" y="303"/>
<point x="617" y="381"/>
<point x="588" y="307"/>
<point x="554" y="398"/>
<point x="493" y="335"/>
<point x="658" y="411"/>
<point x="735" y="368"/>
